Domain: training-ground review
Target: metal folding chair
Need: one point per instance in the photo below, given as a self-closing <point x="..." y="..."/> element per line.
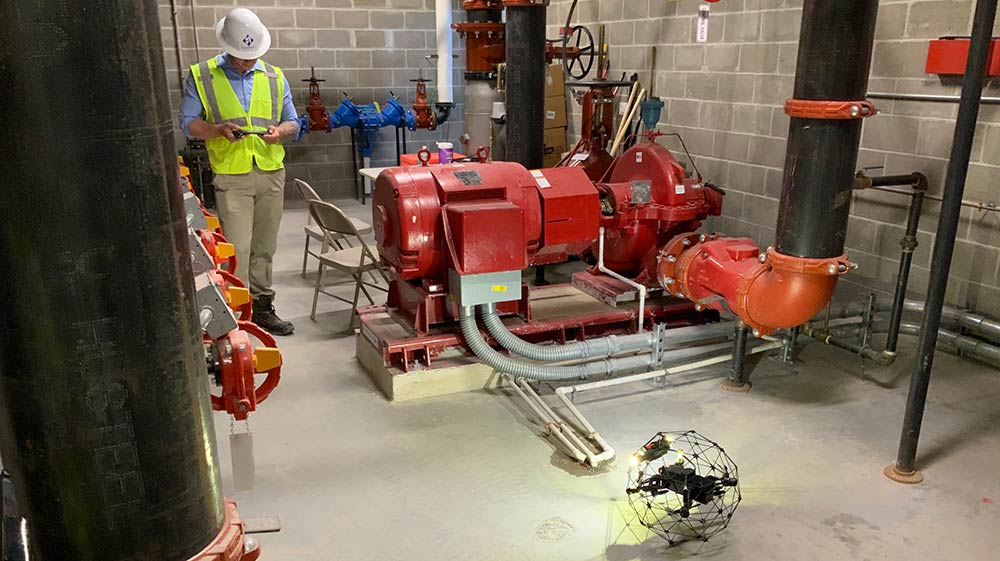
<point x="355" y="261"/>
<point x="313" y="231"/>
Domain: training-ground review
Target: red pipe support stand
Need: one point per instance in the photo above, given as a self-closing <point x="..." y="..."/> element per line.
<point x="229" y="544"/>
<point x="768" y="291"/>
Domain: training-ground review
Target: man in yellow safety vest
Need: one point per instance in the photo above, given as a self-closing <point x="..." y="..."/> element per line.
<point x="242" y="107"/>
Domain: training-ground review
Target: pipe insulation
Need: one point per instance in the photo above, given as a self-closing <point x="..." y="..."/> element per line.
<point x="105" y="418"/>
<point x="445" y="46"/>
<point x="541" y="372"/>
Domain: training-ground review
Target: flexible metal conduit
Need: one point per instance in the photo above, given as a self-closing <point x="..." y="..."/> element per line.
<point x="518" y="368"/>
<point x="594" y="348"/>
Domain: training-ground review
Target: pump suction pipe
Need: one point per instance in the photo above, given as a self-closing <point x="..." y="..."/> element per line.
<point x="786" y="285"/>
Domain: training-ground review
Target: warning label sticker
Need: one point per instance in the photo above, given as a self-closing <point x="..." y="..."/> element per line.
<point x="540" y="179"/>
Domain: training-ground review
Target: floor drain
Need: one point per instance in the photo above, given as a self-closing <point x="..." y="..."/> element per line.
<point x="554" y="530"/>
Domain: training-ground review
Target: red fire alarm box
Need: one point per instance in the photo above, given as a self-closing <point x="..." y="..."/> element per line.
<point x="949" y="55"/>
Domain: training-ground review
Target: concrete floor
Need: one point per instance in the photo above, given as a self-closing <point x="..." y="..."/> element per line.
<point x="467" y="477"/>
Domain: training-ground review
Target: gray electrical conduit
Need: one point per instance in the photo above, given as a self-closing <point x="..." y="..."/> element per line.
<point x="593" y="348"/>
<point x="541" y="372"/>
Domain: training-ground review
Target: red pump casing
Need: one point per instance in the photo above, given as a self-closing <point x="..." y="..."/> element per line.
<point x="495" y="217"/>
<point x="647" y="201"/>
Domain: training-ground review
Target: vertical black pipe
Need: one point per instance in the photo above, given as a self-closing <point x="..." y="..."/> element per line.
<point x="944" y="244"/>
<point x="105" y="423"/>
<point x="908" y="245"/>
<point x="526" y="85"/>
<point x="835" y="50"/>
<point x="737" y="369"/>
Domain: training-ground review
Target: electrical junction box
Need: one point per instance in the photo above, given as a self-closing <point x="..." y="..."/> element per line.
<point x="487" y="237"/>
<point x="485" y="288"/>
<point x="948" y="56"/>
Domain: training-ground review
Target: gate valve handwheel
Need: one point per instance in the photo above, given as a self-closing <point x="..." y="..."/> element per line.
<point x="583" y="41"/>
<point x="223" y="252"/>
<point x="236" y="292"/>
<point x="238" y="360"/>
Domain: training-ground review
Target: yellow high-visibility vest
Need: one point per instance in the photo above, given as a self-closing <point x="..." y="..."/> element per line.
<point x="222" y="106"/>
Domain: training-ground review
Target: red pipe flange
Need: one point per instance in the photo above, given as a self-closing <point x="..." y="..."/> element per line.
<point x="238" y="361"/>
<point x="229" y="545"/>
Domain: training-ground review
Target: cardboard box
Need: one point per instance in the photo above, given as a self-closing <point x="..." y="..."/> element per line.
<point x="555" y="112"/>
<point x="555" y="85"/>
<point x="555" y="146"/>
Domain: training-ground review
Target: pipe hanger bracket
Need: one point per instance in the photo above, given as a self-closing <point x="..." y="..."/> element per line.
<point x="525" y="3"/>
<point x="834" y="110"/>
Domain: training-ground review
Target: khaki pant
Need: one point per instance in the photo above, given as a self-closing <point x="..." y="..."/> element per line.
<point x="250" y="207"/>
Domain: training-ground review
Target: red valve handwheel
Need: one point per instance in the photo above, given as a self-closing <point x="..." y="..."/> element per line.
<point x="236" y="362"/>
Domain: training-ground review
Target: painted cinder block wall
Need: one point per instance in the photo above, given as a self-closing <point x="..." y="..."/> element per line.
<point x="364" y="47"/>
<point x="725" y="97"/>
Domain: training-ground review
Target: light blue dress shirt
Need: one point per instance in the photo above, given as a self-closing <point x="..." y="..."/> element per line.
<point x="191" y="107"/>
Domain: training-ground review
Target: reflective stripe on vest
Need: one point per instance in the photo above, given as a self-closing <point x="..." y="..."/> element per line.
<point x="223" y="106"/>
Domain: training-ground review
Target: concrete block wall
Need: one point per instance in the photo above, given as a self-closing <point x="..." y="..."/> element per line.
<point x="725" y="98"/>
<point x="364" y="47"/>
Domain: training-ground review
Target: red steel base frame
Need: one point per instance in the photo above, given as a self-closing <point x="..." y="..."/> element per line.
<point x="228" y="545"/>
<point x="406" y="352"/>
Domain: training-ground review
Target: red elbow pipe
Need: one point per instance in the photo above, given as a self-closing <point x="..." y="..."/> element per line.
<point x="768" y="291"/>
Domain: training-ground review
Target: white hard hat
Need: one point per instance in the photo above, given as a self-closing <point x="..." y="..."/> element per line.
<point x="242" y="35"/>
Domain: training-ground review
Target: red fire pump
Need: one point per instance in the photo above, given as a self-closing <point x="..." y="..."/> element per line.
<point x="469" y="229"/>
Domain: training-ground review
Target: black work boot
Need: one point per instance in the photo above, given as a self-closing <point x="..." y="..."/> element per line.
<point x="264" y="316"/>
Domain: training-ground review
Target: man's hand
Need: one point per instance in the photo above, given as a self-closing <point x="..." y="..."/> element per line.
<point x="273" y="135"/>
<point x="226" y="130"/>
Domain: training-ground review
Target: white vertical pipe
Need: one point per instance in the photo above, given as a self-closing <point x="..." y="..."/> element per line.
<point x="630" y="282"/>
<point x="442" y="10"/>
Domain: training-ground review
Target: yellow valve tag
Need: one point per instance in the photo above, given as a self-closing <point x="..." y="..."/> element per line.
<point x="266" y="358"/>
<point x="237" y="296"/>
<point x="499" y="288"/>
<point x="213" y="222"/>
<point x="225" y="250"/>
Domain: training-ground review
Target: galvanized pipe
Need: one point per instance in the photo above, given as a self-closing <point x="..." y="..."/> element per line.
<point x="947" y="339"/>
<point x="944" y="245"/>
<point x="928" y="97"/>
<point x="105" y="422"/>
